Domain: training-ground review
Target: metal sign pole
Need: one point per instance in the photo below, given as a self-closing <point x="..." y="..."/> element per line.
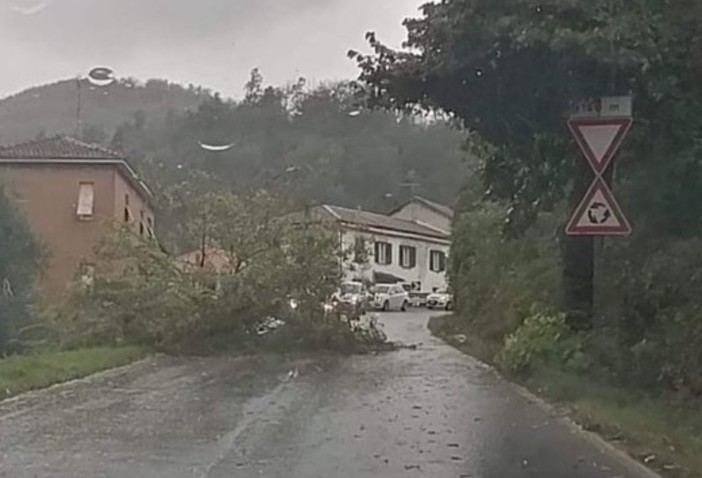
<point x="599" y="128"/>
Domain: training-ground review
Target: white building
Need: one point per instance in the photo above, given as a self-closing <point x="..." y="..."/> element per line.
<point x="424" y="211"/>
<point x="387" y="248"/>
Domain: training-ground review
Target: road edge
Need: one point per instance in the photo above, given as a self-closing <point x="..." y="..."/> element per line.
<point x="625" y="459"/>
<point x="107" y="373"/>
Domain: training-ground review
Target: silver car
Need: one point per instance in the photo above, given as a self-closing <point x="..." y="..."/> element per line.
<point x="441" y="299"/>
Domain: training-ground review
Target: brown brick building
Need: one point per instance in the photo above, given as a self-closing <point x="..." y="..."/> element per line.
<point x="70" y="191"/>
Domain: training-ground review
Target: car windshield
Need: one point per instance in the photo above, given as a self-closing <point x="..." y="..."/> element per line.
<point x="197" y="196"/>
<point x="351" y="288"/>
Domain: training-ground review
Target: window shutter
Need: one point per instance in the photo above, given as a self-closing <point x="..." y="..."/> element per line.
<point x="86" y="199"/>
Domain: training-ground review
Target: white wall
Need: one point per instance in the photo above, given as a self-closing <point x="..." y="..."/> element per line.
<point x="420" y="273"/>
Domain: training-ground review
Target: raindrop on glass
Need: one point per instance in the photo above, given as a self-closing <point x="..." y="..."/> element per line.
<point x="215" y="147"/>
<point x="101" y="76"/>
<point x="28" y="7"/>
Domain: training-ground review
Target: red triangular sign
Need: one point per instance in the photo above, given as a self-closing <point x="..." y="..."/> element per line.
<point x="599" y="138"/>
<point x="598" y="214"/>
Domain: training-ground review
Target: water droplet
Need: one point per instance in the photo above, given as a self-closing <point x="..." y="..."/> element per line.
<point x="101" y="76"/>
<point x="215" y="147"/>
<point x="28" y="7"/>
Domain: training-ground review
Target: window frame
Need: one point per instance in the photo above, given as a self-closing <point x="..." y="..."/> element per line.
<point x="404" y="250"/>
<point x="387" y="246"/>
<point x="441" y="267"/>
<point x="81" y="208"/>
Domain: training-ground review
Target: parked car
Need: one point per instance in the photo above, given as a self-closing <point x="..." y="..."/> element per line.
<point x="390" y="297"/>
<point x="352" y="296"/>
<point x="441" y="299"/>
<point x="418" y="299"/>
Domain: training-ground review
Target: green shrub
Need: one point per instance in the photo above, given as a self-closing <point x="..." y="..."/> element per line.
<point x="497" y="281"/>
<point x="21" y="258"/>
<point x="142" y="295"/>
<point x="543" y="340"/>
<point x="649" y="334"/>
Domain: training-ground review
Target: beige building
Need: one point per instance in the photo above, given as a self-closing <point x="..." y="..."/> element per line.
<point x="70" y="191"/>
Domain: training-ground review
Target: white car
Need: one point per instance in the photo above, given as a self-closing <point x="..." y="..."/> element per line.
<point x="441" y="299"/>
<point x="390" y="297"/>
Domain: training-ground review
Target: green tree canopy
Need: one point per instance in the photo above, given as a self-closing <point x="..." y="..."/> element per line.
<point x="509" y="70"/>
<point x="20" y="260"/>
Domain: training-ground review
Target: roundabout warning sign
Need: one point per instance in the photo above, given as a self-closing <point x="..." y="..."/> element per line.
<point x="598" y="214"/>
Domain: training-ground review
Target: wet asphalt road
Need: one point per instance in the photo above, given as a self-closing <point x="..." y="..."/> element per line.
<point x="427" y="412"/>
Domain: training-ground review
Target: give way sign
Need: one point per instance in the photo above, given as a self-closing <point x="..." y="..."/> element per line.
<point x="599" y="214"/>
<point x="599" y="139"/>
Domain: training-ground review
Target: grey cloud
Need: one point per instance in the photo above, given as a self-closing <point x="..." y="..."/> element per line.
<point x="212" y="42"/>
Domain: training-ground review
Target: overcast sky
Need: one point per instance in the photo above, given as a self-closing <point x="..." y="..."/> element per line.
<point x="214" y="43"/>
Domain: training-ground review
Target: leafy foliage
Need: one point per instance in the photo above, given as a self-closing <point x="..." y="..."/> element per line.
<point x="264" y="258"/>
<point x="498" y="281"/>
<point x="340" y="156"/>
<point x="510" y="71"/>
<point x="311" y="146"/>
<point x="21" y="258"/>
<point x="542" y="339"/>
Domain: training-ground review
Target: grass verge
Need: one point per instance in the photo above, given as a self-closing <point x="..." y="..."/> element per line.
<point x="665" y="434"/>
<point x="22" y="373"/>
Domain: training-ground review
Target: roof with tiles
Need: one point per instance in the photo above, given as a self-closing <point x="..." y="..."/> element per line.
<point x="442" y="209"/>
<point x="381" y="221"/>
<point x="58" y="148"/>
<point x="64" y="149"/>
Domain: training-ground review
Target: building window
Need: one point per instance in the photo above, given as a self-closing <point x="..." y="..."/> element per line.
<point x="126" y="208"/>
<point x="437" y="261"/>
<point x="383" y="253"/>
<point x="86" y="199"/>
<point x="408" y="257"/>
<point x="141" y="222"/>
<point x="150" y="228"/>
